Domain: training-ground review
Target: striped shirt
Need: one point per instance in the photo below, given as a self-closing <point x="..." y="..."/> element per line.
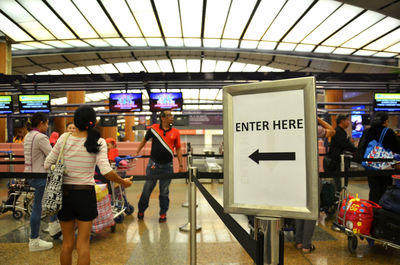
<point x="79" y="163"/>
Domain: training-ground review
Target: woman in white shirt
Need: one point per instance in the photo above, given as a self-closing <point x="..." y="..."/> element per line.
<point x="83" y="150"/>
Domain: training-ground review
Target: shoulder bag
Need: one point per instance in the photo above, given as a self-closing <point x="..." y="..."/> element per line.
<point x="375" y="149"/>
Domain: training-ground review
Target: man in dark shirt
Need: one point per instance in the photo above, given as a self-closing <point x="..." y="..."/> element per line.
<point x="164" y="140"/>
<point x="339" y="144"/>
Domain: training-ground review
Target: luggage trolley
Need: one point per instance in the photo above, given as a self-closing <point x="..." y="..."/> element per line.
<point x="119" y="201"/>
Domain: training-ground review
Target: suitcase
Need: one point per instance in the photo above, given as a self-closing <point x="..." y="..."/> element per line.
<point x="386" y="226"/>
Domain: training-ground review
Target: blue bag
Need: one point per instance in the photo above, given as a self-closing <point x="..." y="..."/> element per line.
<point x="376" y="150"/>
<point x="390" y="200"/>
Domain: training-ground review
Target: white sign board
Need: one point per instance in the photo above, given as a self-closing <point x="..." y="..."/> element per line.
<point x="270" y="138"/>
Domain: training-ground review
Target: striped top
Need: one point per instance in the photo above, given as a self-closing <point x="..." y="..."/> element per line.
<point x="79" y="163"/>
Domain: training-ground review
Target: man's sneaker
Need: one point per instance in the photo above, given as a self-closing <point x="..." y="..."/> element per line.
<point x="38" y="245"/>
<point x="163" y="218"/>
<point x="140" y="215"/>
<point x="54" y="229"/>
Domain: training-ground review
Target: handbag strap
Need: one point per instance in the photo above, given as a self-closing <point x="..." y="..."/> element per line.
<point x="383" y="134"/>
<point x="32" y="151"/>
<point x="60" y="159"/>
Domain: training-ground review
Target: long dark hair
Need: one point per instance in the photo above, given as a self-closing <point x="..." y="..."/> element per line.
<point x="35" y="120"/>
<point x="379" y="119"/>
<point x="85" y="120"/>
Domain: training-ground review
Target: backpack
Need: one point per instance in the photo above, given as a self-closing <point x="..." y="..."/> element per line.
<point x="327" y="196"/>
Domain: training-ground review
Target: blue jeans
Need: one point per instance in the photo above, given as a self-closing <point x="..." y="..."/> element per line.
<point x="39" y="185"/>
<point x="154" y="168"/>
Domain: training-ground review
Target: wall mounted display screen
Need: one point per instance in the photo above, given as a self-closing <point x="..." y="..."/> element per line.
<point x="387" y="102"/>
<point x="6" y="105"/>
<point x="357" y="121"/>
<point x="125" y="102"/>
<point x="33" y="103"/>
<point x="159" y="101"/>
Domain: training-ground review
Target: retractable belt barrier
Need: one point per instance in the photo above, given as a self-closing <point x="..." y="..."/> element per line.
<point x="204" y="155"/>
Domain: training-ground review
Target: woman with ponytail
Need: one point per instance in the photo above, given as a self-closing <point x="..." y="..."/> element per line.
<point x="83" y="150"/>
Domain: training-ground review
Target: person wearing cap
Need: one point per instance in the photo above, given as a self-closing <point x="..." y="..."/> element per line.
<point x="339" y="144"/>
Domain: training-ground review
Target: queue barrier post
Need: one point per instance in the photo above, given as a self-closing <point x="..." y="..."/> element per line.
<point x="186" y="227"/>
<point x="271" y="228"/>
<point x="192" y="215"/>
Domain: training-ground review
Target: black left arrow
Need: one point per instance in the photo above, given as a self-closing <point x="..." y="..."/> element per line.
<point x="257" y="156"/>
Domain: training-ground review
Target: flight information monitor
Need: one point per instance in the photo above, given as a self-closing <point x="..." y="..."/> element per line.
<point x="160" y="101"/>
<point x="125" y="102"/>
<point x="387" y="102"/>
<point x="6" y="104"/>
<point x="34" y="103"/>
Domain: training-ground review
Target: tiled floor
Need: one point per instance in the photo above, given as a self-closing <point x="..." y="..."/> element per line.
<point x="149" y="242"/>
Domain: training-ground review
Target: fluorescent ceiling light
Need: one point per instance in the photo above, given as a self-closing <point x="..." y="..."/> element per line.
<point x="109" y="68"/>
<point x="12" y="31"/>
<point x="290" y="13"/>
<point x="137" y="42"/>
<point x="179" y="65"/>
<point x="97" y="42"/>
<point x="42" y="13"/>
<point x="318" y="13"/>
<point x="222" y="66"/>
<point x="77" y="43"/>
<point x="155" y="42"/>
<point x="189" y="42"/>
<point x="248" y="44"/>
<point x="251" y="67"/>
<point x="151" y="66"/>
<point x="59" y="101"/>
<point x="96" y="17"/>
<point x="71" y="15"/>
<point x="286" y="46"/>
<point x="304" y="48"/>
<point x="22" y="46"/>
<point x="208" y="66"/>
<point x="269" y="69"/>
<point x="190" y="93"/>
<point x="95" y="69"/>
<point x="191" y="15"/>
<point x="168" y="13"/>
<point x="58" y="44"/>
<point x="372" y="33"/>
<point x="216" y="12"/>
<point x="343" y="51"/>
<point x="324" y="49"/>
<point x="136" y="66"/>
<point x="38" y="45"/>
<point x="143" y="12"/>
<point x="384" y="54"/>
<point x="211" y="43"/>
<point x="81" y="70"/>
<point x="266" y="45"/>
<point x="265" y="14"/>
<point x="193" y="65"/>
<point x="394" y="48"/>
<point x="116" y="42"/>
<point x="343" y="15"/>
<point x="123" y="67"/>
<point x="385" y="41"/>
<point x="42" y="73"/>
<point x="355" y="27"/>
<point x="165" y="66"/>
<point x="19" y="15"/>
<point x="174" y="42"/>
<point x="364" y="53"/>
<point x="122" y="17"/>
<point x="229" y="43"/>
<point x="239" y="14"/>
<point x="236" y="67"/>
<point x="54" y="72"/>
<point x="68" y="71"/>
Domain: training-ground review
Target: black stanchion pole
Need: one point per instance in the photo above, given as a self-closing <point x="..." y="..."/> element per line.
<point x="260" y="248"/>
<point x="281" y="247"/>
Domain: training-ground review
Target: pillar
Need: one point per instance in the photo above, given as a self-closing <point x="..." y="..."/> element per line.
<point x="109" y="132"/>
<point x="333" y="96"/>
<point x="129" y="134"/>
<point x="5" y="68"/>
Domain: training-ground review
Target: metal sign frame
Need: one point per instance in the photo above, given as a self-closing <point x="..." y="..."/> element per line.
<point x="307" y="84"/>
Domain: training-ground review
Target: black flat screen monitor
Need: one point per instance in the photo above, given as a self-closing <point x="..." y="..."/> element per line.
<point x="125" y="102"/>
<point x="34" y="103"/>
<point x="6" y="105"/>
<point x="160" y="101"/>
<point x="387" y="102"/>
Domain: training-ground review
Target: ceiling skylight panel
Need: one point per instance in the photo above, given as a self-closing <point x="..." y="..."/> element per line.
<point x="109" y="68"/>
<point x="265" y="14"/>
<point x="21" y="46"/>
<point x="384" y="54"/>
<point x="251" y="67"/>
<point x="190" y="93"/>
<point x="136" y="66"/>
<point x="95" y="69"/>
<point x="222" y="66"/>
<point x="385" y="41"/>
<point x="116" y="42"/>
<point x="12" y="30"/>
<point x="155" y="42"/>
<point x="229" y="43"/>
<point x="211" y="43"/>
<point x="394" y="48"/>
<point x="318" y="13"/>
<point x="68" y="71"/>
<point x="286" y="46"/>
<point x="286" y="18"/>
<point x="179" y="65"/>
<point x="151" y="66"/>
<point x="208" y="66"/>
<point x="238" y="16"/>
<point x="165" y="66"/>
<point x="364" y="53"/>
<point x="82" y="70"/>
<point x="189" y="42"/>
<point x="191" y="15"/>
<point x="208" y="94"/>
<point x="304" y="48"/>
<point x="96" y="17"/>
<point x="97" y="42"/>
<point x="236" y="67"/>
<point x="266" y="69"/>
<point x="77" y="43"/>
<point x="136" y="42"/>
<point x="174" y="42"/>
<point x="168" y="13"/>
<point x="266" y="45"/>
<point x="71" y="15"/>
<point x="343" y="51"/>
<point x="193" y="65"/>
<point x="143" y="12"/>
<point x="41" y="12"/>
<point x="248" y="44"/>
<point x="38" y="45"/>
<point x="355" y="27"/>
<point x="324" y="49"/>
<point x="58" y="44"/>
<point x="373" y="32"/>
<point x="216" y="12"/>
<point x="122" y="17"/>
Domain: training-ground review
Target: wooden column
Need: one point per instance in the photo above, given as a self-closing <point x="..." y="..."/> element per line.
<point x="129" y="122"/>
<point x="107" y="132"/>
<point x="333" y="96"/>
<point x="5" y="68"/>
